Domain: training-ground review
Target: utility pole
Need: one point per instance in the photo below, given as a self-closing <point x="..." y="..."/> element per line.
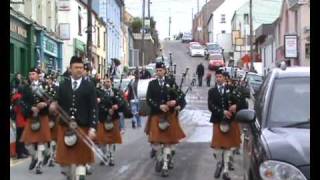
<point x="149" y="8"/>
<point x="169" y="25"/>
<point x="251" y="39"/>
<point x="142" y="39"/>
<point x="89" y="31"/>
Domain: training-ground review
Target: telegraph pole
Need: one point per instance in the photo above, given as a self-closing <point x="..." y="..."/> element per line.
<point x="169" y="25"/>
<point x="142" y="39"/>
<point x="89" y="31"/>
<point x="149" y="8"/>
<point x="251" y="39"/>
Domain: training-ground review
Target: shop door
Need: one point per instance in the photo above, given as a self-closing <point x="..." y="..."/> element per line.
<point x="24" y="64"/>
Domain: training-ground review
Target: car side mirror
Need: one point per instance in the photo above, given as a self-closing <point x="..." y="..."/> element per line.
<point x="246" y="116"/>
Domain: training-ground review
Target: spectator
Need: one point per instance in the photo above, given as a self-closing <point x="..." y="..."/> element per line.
<point x="144" y="74"/>
<point x="200" y="73"/>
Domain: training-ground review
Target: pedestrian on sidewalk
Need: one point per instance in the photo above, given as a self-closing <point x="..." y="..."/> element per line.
<point x="208" y="79"/>
<point x="200" y="73"/>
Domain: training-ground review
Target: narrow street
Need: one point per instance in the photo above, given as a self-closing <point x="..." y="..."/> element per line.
<point x="194" y="158"/>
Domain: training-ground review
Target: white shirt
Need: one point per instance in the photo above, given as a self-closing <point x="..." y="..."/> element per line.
<point x="163" y="79"/>
<point x="78" y="82"/>
<point x="35" y="82"/>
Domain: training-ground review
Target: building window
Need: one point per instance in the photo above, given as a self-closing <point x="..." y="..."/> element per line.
<point x="223" y="18"/>
<point x="246" y="18"/>
<point x="98" y="37"/>
<point x="223" y="31"/>
<point x="79" y="21"/>
<point x="307" y="50"/>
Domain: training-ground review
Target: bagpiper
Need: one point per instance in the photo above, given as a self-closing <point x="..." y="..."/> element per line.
<point x="51" y="90"/>
<point x="108" y="133"/>
<point x="164" y="127"/>
<point x="77" y="98"/>
<point x="226" y="134"/>
<point x="36" y="134"/>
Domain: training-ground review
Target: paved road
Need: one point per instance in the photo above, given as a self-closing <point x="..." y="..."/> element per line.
<point x="194" y="158"/>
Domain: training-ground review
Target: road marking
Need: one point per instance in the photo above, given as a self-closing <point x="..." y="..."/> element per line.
<point x="123" y="169"/>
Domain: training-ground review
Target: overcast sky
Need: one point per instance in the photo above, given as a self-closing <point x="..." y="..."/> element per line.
<point x="180" y="11"/>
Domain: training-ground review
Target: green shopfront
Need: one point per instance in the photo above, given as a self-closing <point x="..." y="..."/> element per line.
<point x="22" y="44"/>
<point x="79" y="47"/>
<point x="48" y="52"/>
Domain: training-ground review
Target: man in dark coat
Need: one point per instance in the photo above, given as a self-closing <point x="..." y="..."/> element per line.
<point x="164" y="101"/>
<point x="226" y="134"/>
<point x="145" y="74"/>
<point x="200" y="73"/>
<point x="77" y="97"/>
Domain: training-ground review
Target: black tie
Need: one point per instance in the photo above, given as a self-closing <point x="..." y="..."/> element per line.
<point x="75" y="84"/>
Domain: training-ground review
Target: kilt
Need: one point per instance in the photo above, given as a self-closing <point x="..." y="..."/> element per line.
<point x="79" y="154"/>
<point x="172" y="135"/>
<point x="54" y="129"/>
<point x="228" y="140"/>
<point x="109" y="137"/>
<point x="42" y="136"/>
<point x="147" y="126"/>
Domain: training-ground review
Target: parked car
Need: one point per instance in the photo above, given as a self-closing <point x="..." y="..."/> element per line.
<point x="196" y="50"/>
<point x="212" y="48"/>
<point x="254" y="81"/>
<point x="186" y="37"/>
<point x="277" y="132"/>
<point x="193" y="43"/>
<point x="215" y="61"/>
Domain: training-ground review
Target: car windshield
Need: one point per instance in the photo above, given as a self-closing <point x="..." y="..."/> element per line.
<point x="196" y="47"/>
<point x="255" y="79"/>
<point x="215" y="57"/>
<point x="290" y="102"/>
<point x="213" y="46"/>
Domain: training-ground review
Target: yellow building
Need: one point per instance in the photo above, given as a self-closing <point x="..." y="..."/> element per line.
<point x="99" y="46"/>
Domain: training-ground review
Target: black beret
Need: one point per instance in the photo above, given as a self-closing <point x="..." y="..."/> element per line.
<point x="75" y="59"/>
<point x="160" y="65"/>
<point x="35" y="69"/>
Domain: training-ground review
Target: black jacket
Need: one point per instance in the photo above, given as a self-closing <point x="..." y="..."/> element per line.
<point x="106" y="103"/>
<point x="200" y="70"/>
<point x="85" y="101"/>
<point x="145" y="75"/>
<point x="157" y="95"/>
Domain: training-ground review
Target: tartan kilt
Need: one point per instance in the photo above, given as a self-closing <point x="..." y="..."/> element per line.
<point x="228" y="140"/>
<point x="172" y="135"/>
<point x="147" y="126"/>
<point x="109" y="137"/>
<point x="79" y="154"/>
<point x="54" y="129"/>
<point x="41" y="136"/>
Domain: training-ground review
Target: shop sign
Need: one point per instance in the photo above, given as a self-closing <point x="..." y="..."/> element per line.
<point x="291" y="46"/>
<point x="80" y="45"/>
<point x="50" y="47"/>
<point x="16" y="28"/>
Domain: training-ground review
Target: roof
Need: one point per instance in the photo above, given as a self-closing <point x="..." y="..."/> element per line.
<point x="292" y="72"/>
<point x="264" y="11"/>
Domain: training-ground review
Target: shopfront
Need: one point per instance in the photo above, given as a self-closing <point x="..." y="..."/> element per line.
<point x="52" y="53"/>
<point x="79" y="48"/>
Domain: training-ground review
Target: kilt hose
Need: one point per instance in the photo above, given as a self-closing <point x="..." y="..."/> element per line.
<point x="109" y="137"/>
<point x="226" y="140"/>
<point x="172" y="135"/>
<point x="42" y="136"/>
<point x="79" y="154"/>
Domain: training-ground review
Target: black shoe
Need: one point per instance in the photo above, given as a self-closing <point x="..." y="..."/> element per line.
<point x="101" y="163"/>
<point x="225" y="176"/>
<point x="88" y="171"/>
<point x="33" y="164"/>
<point x="38" y="170"/>
<point x="170" y="165"/>
<point x="165" y="173"/>
<point x="237" y="152"/>
<point x="22" y="156"/>
<point x="111" y="163"/>
<point x="133" y="125"/>
<point x="153" y="153"/>
<point x="230" y="166"/>
<point x="218" y="170"/>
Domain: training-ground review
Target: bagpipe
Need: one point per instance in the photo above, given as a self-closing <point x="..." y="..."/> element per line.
<point x="71" y="137"/>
